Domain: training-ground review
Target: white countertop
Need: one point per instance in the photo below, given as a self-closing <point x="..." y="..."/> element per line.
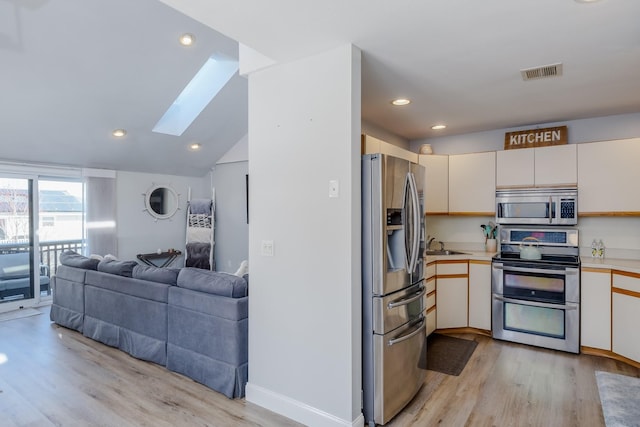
<point x="630" y="265"/>
<point x="468" y="254"/>
<point x="623" y="264"/>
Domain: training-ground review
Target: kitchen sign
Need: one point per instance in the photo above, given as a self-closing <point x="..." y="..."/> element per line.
<point x="535" y="138"/>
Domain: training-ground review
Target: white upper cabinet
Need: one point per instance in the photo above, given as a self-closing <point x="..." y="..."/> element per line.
<point x="556" y="166"/>
<point x="553" y="166"/>
<point x="515" y="168"/>
<point x="608" y="177"/>
<point x="472" y="184"/>
<point x="436" y="183"/>
<point x="371" y="145"/>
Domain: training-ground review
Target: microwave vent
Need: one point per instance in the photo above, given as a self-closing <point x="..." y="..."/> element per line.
<point x="542" y="72"/>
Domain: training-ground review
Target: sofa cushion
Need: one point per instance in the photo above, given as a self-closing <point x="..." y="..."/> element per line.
<point x="213" y="282"/>
<point x="14" y="266"/>
<point x="120" y="268"/>
<point x="156" y="274"/>
<point x="74" y="259"/>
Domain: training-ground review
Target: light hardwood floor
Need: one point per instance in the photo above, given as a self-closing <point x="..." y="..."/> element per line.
<point x="56" y="377"/>
<point x="508" y="384"/>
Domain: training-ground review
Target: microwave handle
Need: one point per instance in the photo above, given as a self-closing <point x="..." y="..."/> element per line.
<point x="550" y="210"/>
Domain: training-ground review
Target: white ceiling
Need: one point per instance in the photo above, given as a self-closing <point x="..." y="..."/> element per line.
<point x="73" y="70"/>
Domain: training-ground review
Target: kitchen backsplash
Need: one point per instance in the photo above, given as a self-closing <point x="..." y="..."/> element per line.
<point x="620" y="235"/>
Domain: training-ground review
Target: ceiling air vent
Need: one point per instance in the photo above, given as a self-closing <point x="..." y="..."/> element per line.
<point x="552" y="70"/>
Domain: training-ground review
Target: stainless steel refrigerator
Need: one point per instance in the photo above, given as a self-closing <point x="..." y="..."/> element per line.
<point x="393" y="293"/>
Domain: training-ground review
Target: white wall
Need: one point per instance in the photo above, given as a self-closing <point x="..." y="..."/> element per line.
<point x="139" y="232"/>
<point x="232" y="230"/>
<point x="375" y="131"/>
<point x="305" y="305"/>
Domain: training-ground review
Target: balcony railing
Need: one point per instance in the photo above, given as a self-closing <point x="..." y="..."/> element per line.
<point x="49" y="251"/>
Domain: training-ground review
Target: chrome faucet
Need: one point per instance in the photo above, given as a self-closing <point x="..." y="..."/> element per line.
<point x="431" y="239"/>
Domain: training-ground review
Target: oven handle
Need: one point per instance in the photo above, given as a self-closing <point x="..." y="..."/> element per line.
<point x="404" y="301"/>
<point x="420" y="328"/>
<point x="535" y="304"/>
<point x="535" y="270"/>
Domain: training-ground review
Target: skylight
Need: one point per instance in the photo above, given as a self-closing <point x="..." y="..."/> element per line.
<point x="204" y="86"/>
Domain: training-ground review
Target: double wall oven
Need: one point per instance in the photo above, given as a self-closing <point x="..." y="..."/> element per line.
<point x="536" y="283"/>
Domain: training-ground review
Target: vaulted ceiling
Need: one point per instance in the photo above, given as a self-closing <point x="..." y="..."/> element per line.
<point x="72" y="71"/>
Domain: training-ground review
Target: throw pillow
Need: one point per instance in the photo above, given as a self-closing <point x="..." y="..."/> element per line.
<point x="168" y="276"/>
<point x="121" y="268"/>
<point x="212" y="282"/>
<point x="74" y="259"/>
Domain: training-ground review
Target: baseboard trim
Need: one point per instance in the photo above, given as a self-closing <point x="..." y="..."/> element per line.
<point x="296" y="410"/>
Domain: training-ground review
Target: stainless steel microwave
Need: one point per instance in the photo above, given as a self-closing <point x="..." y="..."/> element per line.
<point x="544" y="206"/>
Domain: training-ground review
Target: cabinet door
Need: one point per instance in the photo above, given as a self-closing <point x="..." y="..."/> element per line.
<point x="595" y="306"/>
<point x="436" y="183"/>
<point x="608" y="176"/>
<point x="480" y="294"/>
<point x="556" y="166"/>
<point x="472" y="184"/>
<point x="371" y="145"/>
<point x="451" y="302"/>
<point x="515" y="168"/>
<point x="626" y="315"/>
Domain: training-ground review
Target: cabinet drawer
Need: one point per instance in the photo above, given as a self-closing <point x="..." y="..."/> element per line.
<point x="431" y="321"/>
<point x="630" y="282"/>
<point x="446" y="268"/>
<point x="430" y="270"/>
<point x="431" y="300"/>
<point x="430" y="284"/>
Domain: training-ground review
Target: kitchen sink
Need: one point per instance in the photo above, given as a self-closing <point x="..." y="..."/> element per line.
<point x="445" y="252"/>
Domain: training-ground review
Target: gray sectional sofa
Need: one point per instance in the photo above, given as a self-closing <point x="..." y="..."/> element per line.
<point x="194" y="322"/>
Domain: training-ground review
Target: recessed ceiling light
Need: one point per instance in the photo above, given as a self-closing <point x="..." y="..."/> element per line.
<point x="401" y="101"/>
<point x="586" y="1"/>
<point x="195" y="146"/>
<point x="187" y="39"/>
<point x="119" y="133"/>
<point x="438" y="127"/>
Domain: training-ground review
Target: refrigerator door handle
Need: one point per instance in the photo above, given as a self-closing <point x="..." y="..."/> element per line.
<point x="420" y="328"/>
<point x="405" y="301"/>
<point x="415" y="229"/>
<point x="407" y="219"/>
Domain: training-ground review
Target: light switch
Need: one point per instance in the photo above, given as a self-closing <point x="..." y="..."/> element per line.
<point x="334" y="188"/>
<point x="267" y="248"/>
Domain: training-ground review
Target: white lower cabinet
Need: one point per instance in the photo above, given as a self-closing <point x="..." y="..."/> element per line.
<point x="452" y="294"/>
<point x="480" y="294"/>
<point x="626" y="315"/>
<point x="595" y="307"/>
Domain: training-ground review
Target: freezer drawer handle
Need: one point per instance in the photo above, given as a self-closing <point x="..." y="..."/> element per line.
<point x="421" y="328"/>
<point x="399" y="302"/>
<point x="535" y="304"/>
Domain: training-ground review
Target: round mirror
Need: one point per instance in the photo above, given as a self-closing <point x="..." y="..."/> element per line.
<point x="161" y="202"/>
